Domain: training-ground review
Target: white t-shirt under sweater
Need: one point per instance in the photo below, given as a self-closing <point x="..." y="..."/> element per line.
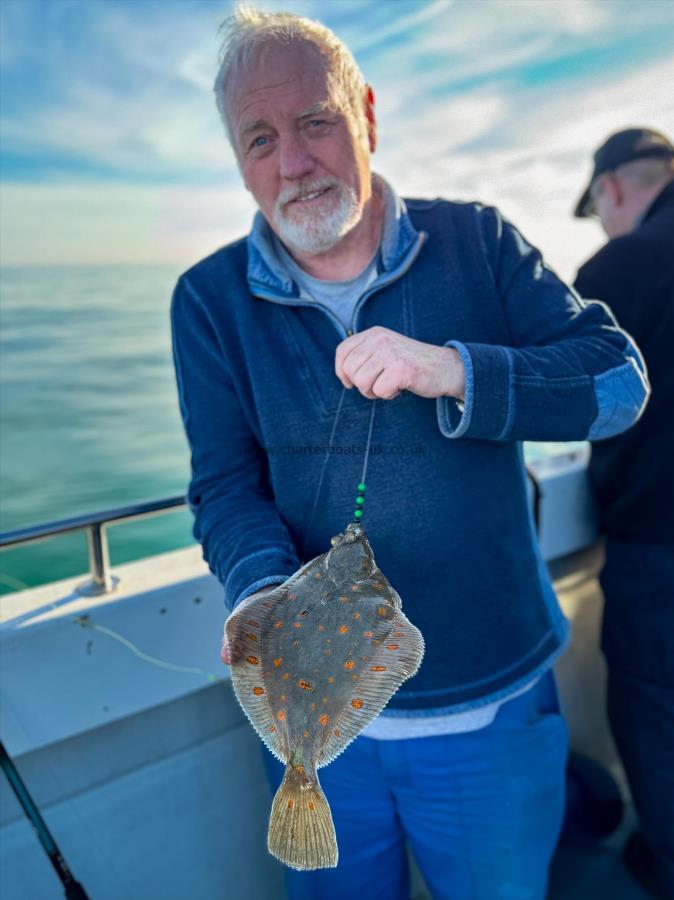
<point x="341" y="298"/>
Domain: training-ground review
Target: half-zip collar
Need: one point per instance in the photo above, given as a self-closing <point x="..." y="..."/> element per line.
<point x="269" y="279"/>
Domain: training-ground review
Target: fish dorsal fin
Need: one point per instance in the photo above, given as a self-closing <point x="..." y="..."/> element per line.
<point x="245" y="634"/>
<point x="398" y="657"/>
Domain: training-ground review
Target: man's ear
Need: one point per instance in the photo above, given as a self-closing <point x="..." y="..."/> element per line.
<point x="371" y="118"/>
<point x="614" y="189"/>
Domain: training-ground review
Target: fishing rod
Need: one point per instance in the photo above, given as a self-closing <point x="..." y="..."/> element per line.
<point x="73" y="889"/>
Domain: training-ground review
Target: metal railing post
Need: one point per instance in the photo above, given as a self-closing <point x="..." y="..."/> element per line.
<point x="102" y="580"/>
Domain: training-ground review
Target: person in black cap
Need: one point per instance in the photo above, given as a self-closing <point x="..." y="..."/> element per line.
<point x="631" y="193"/>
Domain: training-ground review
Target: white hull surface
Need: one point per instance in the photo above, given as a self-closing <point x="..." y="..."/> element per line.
<point x="150" y="778"/>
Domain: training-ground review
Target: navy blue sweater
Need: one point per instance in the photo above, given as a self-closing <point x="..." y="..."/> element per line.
<point x="447" y="512"/>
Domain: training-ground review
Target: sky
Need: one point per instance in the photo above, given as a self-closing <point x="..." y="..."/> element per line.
<point x="112" y="151"/>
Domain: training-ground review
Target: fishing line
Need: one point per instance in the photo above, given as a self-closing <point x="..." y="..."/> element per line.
<point x="320" y="479"/>
<point x="85" y="622"/>
<point x="369" y="443"/>
<point x="360" y="500"/>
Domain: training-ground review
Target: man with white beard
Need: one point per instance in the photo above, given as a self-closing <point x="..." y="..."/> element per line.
<point x="447" y="316"/>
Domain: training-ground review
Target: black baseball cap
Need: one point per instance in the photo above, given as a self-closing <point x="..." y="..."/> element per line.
<point x="620" y="148"/>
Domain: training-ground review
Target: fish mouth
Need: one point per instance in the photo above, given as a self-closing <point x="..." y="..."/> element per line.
<point x="350" y="535"/>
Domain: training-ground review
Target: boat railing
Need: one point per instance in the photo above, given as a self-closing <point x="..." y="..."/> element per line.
<point x="102" y="580"/>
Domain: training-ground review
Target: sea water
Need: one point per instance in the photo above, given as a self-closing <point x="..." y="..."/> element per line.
<point x="89" y="413"/>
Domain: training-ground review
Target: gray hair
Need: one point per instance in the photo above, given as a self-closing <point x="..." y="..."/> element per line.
<point x="646" y="173"/>
<point x="245" y="32"/>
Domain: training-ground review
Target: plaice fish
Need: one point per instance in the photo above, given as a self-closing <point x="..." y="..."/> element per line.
<point x="313" y="661"/>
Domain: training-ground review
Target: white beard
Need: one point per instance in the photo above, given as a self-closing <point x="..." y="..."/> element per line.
<point x="316" y="230"/>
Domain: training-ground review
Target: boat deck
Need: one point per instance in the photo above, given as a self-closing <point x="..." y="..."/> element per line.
<point x="152" y="781"/>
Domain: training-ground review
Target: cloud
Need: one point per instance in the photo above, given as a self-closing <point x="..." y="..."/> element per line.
<point x="534" y="153"/>
<point x="400" y="25"/>
<point x="122" y="156"/>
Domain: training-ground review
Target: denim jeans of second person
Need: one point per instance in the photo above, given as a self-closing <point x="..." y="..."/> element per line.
<point x="481" y="811"/>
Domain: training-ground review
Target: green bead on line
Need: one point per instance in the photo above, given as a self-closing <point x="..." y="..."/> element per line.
<point x="360" y="500"/>
<point x="358" y="513"/>
<point x="361" y="488"/>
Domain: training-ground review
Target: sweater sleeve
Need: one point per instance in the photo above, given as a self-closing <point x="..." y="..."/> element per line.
<point x="568" y="371"/>
<point x="244" y="540"/>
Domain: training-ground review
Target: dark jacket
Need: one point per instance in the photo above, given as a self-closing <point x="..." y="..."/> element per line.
<point x="633" y="474"/>
<point x="447" y="511"/>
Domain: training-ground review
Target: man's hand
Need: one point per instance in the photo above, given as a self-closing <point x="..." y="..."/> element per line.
<point x="225" y="654"/>
<point x="381" y="363"/>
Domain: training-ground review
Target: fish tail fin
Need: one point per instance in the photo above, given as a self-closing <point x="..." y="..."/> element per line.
<point x="301" y="832"/>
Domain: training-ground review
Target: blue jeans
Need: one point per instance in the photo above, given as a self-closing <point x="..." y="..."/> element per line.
<point x="482" y="811"/>
<point x="638" y="641"/>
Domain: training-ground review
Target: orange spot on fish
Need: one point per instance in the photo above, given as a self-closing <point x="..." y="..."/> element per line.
<point x="306" y="734"/>
<point x="277" y="662"/>
<point x="357" y="703"/>
<point x="257" y="691"/>
<point x="299" y="769"/>
<point x="283" y="696"/>
<point x="253" y="660"/>
<point x="379" y="587"/>
<point x="382" y="611"/>
<point x="355" y="677"/>
<point x="251" y="637"/>
<point x="290" y="804"/>
<point x="310" y="806"/>
<point x="272" y="727"/>
<point x="297" y="624"/>
<point x="285" y="676"/>
<point x="253" y="623"/>
<point x="278" y="624"/>
<point x="281" y="714"/>
<point x="368" y="634"/>
<point x="377" y="668"/>
<point x="344" y="599"/>
<point x="324" y="718"/>
<point x="336" y="732"/>
<point x="305" y="685"/>
<point x="313" y="707"/>
<point x="354" y="587"/>
<point x="356" y="615"/>
<point x="392" y="646"/>
<point x="398" y="634"/>
<point x="331" y="679"/>
<point x="268" y="605"/>
<point x="349" y="664"/>
<point x="376" y="641"/>
<point x="343" y="629"/>
<point x="317" y="575"/>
